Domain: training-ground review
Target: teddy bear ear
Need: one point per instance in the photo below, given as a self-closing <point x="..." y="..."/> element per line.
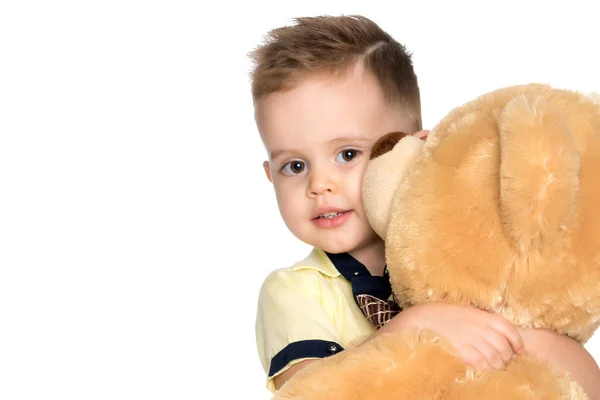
<point x="595" y="96"/>
<point x="535" y="132"/>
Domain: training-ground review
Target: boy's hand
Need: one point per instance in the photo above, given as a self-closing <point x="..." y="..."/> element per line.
<point x="481" y="339"/>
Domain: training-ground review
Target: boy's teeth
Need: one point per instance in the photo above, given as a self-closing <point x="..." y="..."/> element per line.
<point x="330" y="215"/>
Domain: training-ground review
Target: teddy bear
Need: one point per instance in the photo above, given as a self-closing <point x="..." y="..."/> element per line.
<point x="497" y="209"/>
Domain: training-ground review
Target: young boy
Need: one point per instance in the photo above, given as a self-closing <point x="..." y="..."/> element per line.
<point x="325" y="89"/>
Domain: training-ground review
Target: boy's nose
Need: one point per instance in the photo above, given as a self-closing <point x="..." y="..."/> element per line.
<point x="320" y="184"/>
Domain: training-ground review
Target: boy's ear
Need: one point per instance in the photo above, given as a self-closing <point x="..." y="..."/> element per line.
<point x="422" y="135"/>
<point x="267" y="169"/>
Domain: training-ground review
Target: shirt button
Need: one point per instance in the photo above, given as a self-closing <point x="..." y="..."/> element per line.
<point x="332" y="348"/>
<point x="356" y="273"/>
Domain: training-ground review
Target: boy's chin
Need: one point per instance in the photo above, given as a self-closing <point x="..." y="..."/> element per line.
<point x="337" y="248"/>
<point x="343" y="240"/>
<point x="352" y="247"/>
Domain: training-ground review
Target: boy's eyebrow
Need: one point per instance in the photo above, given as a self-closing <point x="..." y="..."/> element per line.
<point x="278" y="153"/>
<point x="349" y="139"/>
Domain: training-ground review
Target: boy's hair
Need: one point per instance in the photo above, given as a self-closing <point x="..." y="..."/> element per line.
<point x="333" y="45"/>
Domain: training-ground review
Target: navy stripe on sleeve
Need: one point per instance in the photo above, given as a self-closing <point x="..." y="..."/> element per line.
<point x="303" y="349"/>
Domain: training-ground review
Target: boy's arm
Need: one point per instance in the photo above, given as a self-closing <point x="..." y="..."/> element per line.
<point x="292" y="325"/>
<point x="291" y="371"/>
<point x="480" y="338"/>
<point x="566" y="354"/>
<point x="559" y="350"/>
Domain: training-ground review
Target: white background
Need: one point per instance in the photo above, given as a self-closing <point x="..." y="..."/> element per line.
<point x="136" y="224"/>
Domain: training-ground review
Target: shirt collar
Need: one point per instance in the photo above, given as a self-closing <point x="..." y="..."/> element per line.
<point x="351" y="269"/>
<point x="348" y="266"/>
<point x="317" y="260"/>
<point x="333" y="265"/>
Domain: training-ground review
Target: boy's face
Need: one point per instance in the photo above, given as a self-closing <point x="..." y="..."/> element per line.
<point x="318" y="137"/>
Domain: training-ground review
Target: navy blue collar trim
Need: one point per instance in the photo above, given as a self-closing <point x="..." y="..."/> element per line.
<point x="360" y="278"/>
<point x="347" y="265"/>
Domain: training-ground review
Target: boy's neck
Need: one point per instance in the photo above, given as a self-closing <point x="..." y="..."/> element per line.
<point x="372" y="257"/>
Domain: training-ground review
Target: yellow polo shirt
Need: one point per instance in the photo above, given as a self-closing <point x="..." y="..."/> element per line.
<point x="307" y="311"/>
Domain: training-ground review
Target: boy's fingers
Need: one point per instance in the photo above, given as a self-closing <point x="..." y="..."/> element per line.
<point x="490" y="354"/>
<point x="510" y="333"/>
<point x="475" y="358"/>
<point x="501" y="346"/>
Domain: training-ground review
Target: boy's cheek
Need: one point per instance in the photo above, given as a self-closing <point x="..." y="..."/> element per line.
<point x="282" y="189"/>
<point x="289" y="194"/>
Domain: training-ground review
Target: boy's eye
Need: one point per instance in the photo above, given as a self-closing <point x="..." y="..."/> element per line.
<point x="347" y="155"/>
<point x="294" y="167"/>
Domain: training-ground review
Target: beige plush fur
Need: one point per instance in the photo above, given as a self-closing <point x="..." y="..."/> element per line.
<point x="498" y="210"/>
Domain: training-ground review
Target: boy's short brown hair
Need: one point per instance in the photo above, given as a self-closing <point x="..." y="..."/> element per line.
<point x="331" y="45"/>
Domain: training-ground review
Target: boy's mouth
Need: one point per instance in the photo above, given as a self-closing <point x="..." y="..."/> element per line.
<point x="331" y="218"/>
<point x="331" y="214"/>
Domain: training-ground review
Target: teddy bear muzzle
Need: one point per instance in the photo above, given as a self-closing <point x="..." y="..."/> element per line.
<point x="386" y="143"/>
